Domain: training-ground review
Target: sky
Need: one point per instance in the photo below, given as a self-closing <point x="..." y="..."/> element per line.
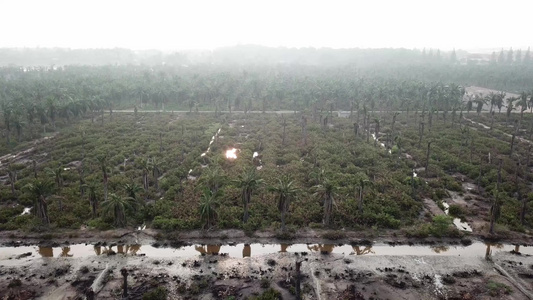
<point x="208" y="24"/>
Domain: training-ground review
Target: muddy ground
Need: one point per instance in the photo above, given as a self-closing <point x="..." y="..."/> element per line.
<point x="216" y="276"/>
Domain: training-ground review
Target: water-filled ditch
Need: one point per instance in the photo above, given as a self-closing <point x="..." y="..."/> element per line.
<point x="476" y="249"/>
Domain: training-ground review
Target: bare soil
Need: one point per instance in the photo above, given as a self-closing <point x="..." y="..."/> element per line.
<point x="323" y="276"/>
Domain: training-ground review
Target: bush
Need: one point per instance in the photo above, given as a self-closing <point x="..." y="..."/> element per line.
<point x="497" y="288"/>
<point x="333" y="235"/>
<point x="159" y="293"/>
<point x="99" y="224"/>
<point x="456" y="211"/>
<point x="422" y="231"/>
<point x="441" y="225"/>
<point x="167" y="224"/>
<point x="270" y="294"/>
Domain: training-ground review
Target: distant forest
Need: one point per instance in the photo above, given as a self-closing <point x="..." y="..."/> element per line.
<point x="252" y="54"/>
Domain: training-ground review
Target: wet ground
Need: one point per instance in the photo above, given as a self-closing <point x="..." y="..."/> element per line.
<point x="328" y="271"/>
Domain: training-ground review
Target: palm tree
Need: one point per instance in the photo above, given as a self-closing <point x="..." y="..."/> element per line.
<point x="392" y="127"/>
<point x="118" y="206"/>
<point x="17" y="123"/>
<point x="499" y="101"/>
<point x="102" y="163"/>
<point x="492" y="99"/>
<point x="510" y="107"/>
<point x="12" y="174"/>
<point x="40" y="190"/>
<point x="145" y="166"/>
<point x="57" y="173"/>
<point x="479" y="102"/>
<point x="51" y="104"/>
<point x="42" y="114"/>
<point x="132" y="189"/>
<point x="213" y="178"/>
<point x="376" y="131"/>
<point x="93" y="197"/>
<point x="286" y="191"/>
<point x="362" y="184"/>
<point x="7" y="110"/>
<point x="248" y="182"/>
<point x="155" y="167"/>
<point x="326" y="191"/>
<point x="522" y="101"/>
<point x="208" y="206"/>
<point x="469" y="104"/>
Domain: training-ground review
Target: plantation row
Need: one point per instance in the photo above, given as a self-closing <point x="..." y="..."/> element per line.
<point x="307" y="171"/>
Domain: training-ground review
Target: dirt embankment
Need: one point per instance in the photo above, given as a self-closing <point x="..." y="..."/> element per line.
<point x="321" y="276"/>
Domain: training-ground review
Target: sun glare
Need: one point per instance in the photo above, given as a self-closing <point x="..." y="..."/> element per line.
<point x="231" y="153"/>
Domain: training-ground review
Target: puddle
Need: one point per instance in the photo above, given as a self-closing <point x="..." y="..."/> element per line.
<point x="477" y="249"/>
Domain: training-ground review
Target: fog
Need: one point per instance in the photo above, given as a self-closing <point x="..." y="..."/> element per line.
<point x="208" y="24"/>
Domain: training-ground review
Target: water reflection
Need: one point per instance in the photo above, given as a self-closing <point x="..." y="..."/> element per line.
<point x="46" y="251"/>
<point x="488" y="251"/>
<point x="209" y="249"/>
<point x="366" y="250"/>
<point x="440" y="249"/>
<point x="65" y="252"/>
<point x="133" y="249"/>
<point x="477" y="249"/>
<point x="247" y="251"/>
<point x="322" y="248"/>
<point x="121" y="249"/>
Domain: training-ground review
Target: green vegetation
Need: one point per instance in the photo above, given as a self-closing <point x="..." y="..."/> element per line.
<point x="270" y="294"/>
<point x="159" y="293"/>
<point x="76" y="160"/>
<point x="498" y="289"/>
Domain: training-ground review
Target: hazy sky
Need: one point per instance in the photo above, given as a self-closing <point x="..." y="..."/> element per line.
<point x="206" y="24"/>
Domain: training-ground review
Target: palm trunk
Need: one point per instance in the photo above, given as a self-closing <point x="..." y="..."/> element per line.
<point x="43" y="210"/>
<point x="105" y="187"/>
<point x="495" y="206"/>
<point x="523" y="210"/>
<point x="145" y="181"/>
<point x="513" y="138"/>
<point x="361" y="200"/>
<point x="328" y="203"/>
<point x="427" y="158"/>
<point x="34" y="163"/>
<point x="246" y="199"/>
